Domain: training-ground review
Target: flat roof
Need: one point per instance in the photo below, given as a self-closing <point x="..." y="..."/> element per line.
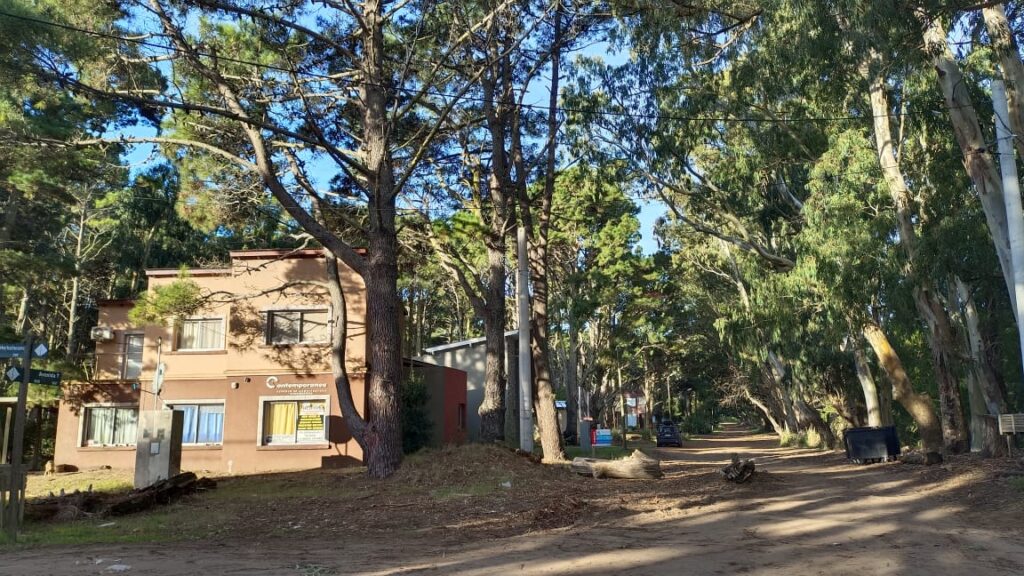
<point x="463" y="343"/>
<point x="260" y="253"/>
<point x="166" y="272"/>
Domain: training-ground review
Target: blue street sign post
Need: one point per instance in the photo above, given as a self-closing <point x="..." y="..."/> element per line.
<point x="27" y="351"/>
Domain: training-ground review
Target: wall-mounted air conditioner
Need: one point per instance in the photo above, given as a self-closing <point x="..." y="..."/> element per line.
<point x="102" y="333"/>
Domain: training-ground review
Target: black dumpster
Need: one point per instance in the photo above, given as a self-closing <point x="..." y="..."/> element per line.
<point x="872" y="444"/>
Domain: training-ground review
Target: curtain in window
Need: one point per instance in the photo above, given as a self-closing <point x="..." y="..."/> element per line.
<point x="205" y="334"/>
<point x="132" y="356"/>
<point x="99" y="424"/>
<point x="190" y="411"/>
<point x="126" y="426"/>
<point x="211" y="424"/>
<point x="279" y="422"/>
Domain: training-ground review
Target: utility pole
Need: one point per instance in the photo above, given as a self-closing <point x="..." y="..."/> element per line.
<point x="525" y="376"/>
<point x="1011" y="198"/>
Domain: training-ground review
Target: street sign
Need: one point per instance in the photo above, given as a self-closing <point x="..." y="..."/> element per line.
<point x="18" y="350"/>
<point x="34" y="376"/>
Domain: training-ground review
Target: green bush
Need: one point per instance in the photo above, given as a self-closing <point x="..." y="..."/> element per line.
<point x="416" y="424"/>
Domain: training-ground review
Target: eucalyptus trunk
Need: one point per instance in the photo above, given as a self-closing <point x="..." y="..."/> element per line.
<point x="979" y="163"/>
<point x="941" y="340"/>
<point x="867" y="385"/>
<point x="918" y="405"/>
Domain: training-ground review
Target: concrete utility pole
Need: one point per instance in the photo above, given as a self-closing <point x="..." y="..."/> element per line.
<point x="525" y="376"/>
<point x="1011" y="197"/>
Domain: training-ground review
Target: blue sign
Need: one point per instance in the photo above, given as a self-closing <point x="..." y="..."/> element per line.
<point x="603" y="437"/>
<point x="18" y="350"/>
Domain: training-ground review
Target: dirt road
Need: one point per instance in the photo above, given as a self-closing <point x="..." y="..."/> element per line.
<point x="805" y="512"/>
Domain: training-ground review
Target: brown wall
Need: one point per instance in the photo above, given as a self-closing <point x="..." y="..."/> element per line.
<point x="246" y="351"/>
<point x="242" y="294"/>
<point x="240" y="452"/>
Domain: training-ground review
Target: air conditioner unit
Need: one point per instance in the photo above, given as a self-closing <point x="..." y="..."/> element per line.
<point x="102" y="333"/>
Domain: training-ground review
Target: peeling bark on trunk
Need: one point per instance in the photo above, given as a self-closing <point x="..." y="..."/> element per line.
<point x="929" y="307"/>
<point x="942" y="343"/>
<point x="919" y="406"/>
<point x="978" y="162"/>
<point x="1005" y="46"/>
<point x="766" y="412"/>
<point x="867" y="385"/>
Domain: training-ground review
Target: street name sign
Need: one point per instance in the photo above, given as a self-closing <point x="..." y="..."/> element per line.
<point x="14" y="374"/>
<point x="17" y="350"/>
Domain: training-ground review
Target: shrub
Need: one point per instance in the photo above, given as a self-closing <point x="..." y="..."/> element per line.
<point x="416" y="425"/>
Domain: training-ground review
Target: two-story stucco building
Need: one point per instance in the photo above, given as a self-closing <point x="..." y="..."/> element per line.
<point x="250" y="370"/>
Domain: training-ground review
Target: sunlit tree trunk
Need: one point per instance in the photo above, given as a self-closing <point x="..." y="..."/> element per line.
<point x="919" y="406"/>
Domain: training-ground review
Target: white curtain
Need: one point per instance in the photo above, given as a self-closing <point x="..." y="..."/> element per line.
<point x="201" y="334"/>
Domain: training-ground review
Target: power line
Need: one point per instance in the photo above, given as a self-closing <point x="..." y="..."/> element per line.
<point x="466" y="97"/>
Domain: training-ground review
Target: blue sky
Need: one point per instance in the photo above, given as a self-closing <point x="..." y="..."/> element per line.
<point x="141" y="155"/>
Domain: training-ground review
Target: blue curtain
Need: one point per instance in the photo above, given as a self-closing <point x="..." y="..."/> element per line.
<point x="190" y="411"/>
<point x="211" y="424"/>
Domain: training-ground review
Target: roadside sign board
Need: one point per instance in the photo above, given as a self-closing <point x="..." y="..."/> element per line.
<point x="14" y="374"/>
<point x="17" y="350"/>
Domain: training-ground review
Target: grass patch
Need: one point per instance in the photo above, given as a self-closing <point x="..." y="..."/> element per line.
<point x="176" y="522"/>
<point x="38" y="486"/>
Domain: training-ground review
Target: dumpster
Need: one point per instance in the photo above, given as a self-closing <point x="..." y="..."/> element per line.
<point x="872" y="444"/>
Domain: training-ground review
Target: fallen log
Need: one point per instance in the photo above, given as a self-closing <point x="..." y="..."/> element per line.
<point x="637" y="466"/>
<point x="739" y="471"/>
<point x="163" y="492"/>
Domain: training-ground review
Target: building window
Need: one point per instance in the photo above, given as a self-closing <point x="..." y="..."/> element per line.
<point x="297" y="327"/>
<point x="294" y="422"/>
<point x="204" y="423"/>
<point x="461" y="417"/>
<point x="201" y="334"/>
<point x="110" y="426"/>
<point x="132" y="368"/>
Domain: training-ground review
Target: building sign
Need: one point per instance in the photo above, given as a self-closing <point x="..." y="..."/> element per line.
<point x="311" y="422"/>
<point x="274" y="383"/>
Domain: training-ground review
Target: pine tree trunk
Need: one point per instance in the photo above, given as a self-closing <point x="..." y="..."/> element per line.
<point x="383" y="304"/>
<point x="572" y="392"/>
<point x="492" y="409"/>
<point x="919" y="406"/>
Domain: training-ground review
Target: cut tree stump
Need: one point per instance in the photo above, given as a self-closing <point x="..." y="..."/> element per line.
<point x="637" y="466"/>
<point x="739" y="471"/>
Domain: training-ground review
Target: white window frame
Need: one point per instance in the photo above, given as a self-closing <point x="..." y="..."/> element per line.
<point x="223" y="334"/>
<point x="267" y="313"/>
<point x="84" y="417"/>
<point x="294" y="398"/>
<point x="171" y="403"/>
<point x="124" y="354"/>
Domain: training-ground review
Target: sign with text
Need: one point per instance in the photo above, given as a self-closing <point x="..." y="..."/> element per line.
<point x="310" y="427"/>
<point x="17" y="350"/>
<point x="14" y="374"/>
<point x="274" y="383"/>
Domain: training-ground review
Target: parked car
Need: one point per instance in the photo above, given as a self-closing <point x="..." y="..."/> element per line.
<point x="668" y="435"/>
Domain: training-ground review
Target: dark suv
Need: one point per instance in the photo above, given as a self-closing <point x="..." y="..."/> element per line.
<point x="668" y="435"/>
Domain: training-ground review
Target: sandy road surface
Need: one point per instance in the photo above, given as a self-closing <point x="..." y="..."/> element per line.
<point x="805" y="513"/>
